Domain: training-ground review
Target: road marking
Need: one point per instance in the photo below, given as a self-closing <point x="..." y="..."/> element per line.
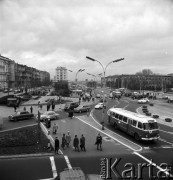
<point x="154" y="164"/>
<point x="166" y="131"/>
<point x="126" y="105"/>
<point x="165" y="141"/>
<point x="161" y="147"/>
<point x="140" y="148"/>
<point x="53" y="166"/>
<point x="68" y="162"/>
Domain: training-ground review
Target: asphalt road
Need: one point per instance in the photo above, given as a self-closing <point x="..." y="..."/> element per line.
<point x="40" y="168"/>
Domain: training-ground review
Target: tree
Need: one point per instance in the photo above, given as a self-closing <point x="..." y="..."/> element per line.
<point x="145" y="72"/>
<point x="62" y="89"/>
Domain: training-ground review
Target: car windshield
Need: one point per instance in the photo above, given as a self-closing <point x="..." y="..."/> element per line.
<point x="150" y="126"/>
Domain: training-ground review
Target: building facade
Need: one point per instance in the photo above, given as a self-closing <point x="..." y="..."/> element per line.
<point x="60" y="74"/>
<point x="140" y="82"/>
<point x="14" y="75"/>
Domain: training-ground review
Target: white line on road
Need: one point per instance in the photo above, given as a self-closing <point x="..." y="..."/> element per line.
<point x="166" y="131"/>
<point x="53" y="166"/>
<point x="126" y="105"/>
<point x="154" y="164"/>
<point x="165" y="141"/>
<point x="68" y="162"/>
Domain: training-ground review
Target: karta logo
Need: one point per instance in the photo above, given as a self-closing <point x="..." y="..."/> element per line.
<point x="110" y="167"/>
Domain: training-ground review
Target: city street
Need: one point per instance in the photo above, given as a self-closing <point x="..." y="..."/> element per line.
<point x="116" y="144"/>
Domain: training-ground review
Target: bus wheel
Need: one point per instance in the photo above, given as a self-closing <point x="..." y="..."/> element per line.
<point x="137" y="137"/>
<point x="115" y="126"/>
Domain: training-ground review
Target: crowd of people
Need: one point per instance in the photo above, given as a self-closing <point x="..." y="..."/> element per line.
<point x="78" y="143"/>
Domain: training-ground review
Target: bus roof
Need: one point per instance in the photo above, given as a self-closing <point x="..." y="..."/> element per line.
<point x="132" y="115"/>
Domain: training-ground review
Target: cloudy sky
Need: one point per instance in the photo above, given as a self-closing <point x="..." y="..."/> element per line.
<point x="48" y="33"/>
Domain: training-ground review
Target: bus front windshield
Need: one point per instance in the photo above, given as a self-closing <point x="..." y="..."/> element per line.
<point x="150" y="126"/>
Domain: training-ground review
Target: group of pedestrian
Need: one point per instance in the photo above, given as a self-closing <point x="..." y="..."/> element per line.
<point x="78" y="143"/>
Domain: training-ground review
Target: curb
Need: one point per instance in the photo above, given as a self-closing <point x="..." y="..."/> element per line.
<point x="26" y="155"/>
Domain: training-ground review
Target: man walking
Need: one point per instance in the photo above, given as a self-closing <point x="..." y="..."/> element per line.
<point x="82" y="143"/>
<point x="63" y="141"/>
<point x="56" y="145"/>
<point x="68" y="139"/>
<point x="76" y="143"/>
<point x="31" y="109"/>
<point x="99" y="142"/>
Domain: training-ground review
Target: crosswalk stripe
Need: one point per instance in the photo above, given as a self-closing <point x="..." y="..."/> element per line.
<point x="53" y="167"/>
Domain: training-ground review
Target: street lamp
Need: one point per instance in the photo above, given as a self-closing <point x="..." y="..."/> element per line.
<point x="104" y="68"/>
<point x="80" y="70"/>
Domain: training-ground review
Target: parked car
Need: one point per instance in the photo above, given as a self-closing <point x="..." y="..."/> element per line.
<point x="99" y="106"/>
<point x="20" y="115"/>
<point x="98" y="95"/>
<point x="5" y="90"/>
<point x="170" y="100"/>
<point x="48" y="115"/>
<point x="143" y="101"/>
<point x="71" y="105"/>
<point x="82" y="108"/>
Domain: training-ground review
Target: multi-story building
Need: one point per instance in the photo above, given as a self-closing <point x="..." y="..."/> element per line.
<point x="60" y="74"/>
<point x="14" y="75"/>
<point x="142" y="82"/>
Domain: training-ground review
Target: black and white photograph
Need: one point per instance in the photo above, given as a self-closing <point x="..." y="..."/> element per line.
<point x="86" y="89"/>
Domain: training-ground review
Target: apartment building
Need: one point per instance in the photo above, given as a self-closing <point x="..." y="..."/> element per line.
<point x="142" y="82"/>
<point x="14" y="75"/>
<point x="60" y="74"/>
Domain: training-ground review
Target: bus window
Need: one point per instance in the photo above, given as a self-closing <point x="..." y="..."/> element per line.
<point x="150" y="126"/>
<point x="134" y="123"/>
<point x="125" y="119"/>
<point x="120" y="117"/>
<point x="130" y="121"/>
<point x="140" y="125"/>
<point x="116" y="116"/>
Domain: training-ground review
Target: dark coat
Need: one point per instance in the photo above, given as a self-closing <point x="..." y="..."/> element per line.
<point x="82" y="141"/>
<point x="56" y="143"/>
<point x="99" y="140"/>
<point x="76" y="142"/>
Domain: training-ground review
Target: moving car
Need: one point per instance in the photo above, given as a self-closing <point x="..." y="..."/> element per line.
<point x="143" y="101"/>
<point x="170" y="99"/>
<point x="48" y="115"/>
<point x="71" y="105"/>
<point x="82" y="108"/>
<point x="20" y="115"/>
<point x="99" y="106"/>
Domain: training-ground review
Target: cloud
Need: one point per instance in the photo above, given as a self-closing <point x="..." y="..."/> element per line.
<point x="62" y="33"/>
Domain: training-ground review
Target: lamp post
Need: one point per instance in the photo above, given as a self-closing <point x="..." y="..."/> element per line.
<point x="104" y="68"/>
<point x="104" y="83"/>
<point x="80" y="70"/>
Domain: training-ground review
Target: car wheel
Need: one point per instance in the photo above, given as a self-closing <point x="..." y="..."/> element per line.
<point x="137" y="137"/>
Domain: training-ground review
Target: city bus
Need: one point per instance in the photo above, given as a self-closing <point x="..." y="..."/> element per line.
<point x="139" y="126"/>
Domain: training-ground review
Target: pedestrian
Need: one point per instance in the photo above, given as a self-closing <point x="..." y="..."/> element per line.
<point x="24" y="108"/>
<point x="99" y="142"/>
<point x="68" y="139"/>
<point x="76" y="143"/>
<point x="63" y="141"/>
<point x="41" y="106"/>
<point x="55" y="128"/>
<point x="31" y="109"/>
<point x="82" y="143"/>
<point x="15" y="107"/>
<point x="56" y="145"/>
